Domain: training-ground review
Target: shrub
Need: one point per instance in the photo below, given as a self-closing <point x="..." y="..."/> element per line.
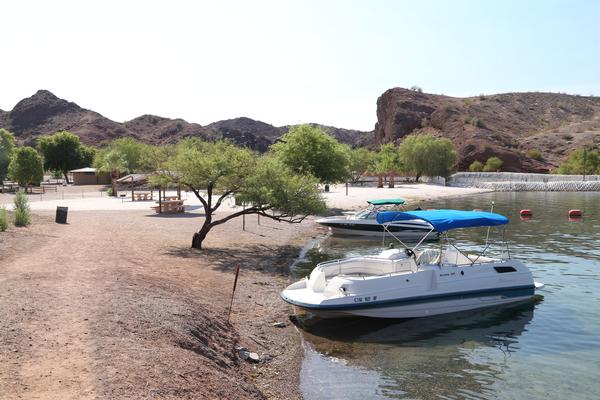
<point x="22" y="212"/>
<point x="535" y="154"/>
<point x="3" y="219"/>
<point x="448" y="107"/>
<point x="416" y="88"/>
<point x="477" y="122"/>
<point x="493" y="164"/>
<point x="476" y="166"/>
<point x="482" y="96"/>
<point x="109" y="192"/>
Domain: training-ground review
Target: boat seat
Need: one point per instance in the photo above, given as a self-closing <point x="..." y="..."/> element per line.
<point x="455" y="257"/>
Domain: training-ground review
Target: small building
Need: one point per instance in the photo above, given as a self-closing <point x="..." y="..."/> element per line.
<point x="88" y="176"/>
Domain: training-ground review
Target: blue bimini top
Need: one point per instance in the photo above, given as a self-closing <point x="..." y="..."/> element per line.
<point x="445" y="220"/>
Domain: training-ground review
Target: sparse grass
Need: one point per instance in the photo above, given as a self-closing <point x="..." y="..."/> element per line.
<point x="482" y="96"/>
<point x="22" y="215"/>
<point x="3" y="219"/>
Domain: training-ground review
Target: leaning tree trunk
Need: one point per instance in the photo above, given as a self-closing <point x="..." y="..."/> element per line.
<point x="201" y="234"/>
<point x="379" y="181"/>
<point x="66" y="178"/>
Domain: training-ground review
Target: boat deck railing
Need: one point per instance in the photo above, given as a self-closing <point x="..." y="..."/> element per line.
<point x="367" y="266"/>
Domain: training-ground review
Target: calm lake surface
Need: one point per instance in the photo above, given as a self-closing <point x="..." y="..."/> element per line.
<point x="548" y="348"/>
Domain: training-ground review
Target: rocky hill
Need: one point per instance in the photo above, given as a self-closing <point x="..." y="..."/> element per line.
<point x="505" y="125"/>
<point x="44" y="113"/>
<point x="508" y="126"/>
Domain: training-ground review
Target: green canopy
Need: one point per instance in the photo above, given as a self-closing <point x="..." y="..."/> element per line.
<point x="386" y="202"/>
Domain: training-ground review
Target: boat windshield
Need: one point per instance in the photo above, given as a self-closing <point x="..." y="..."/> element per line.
<point x="366" y="214"/>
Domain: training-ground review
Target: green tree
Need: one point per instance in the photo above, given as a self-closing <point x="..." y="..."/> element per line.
<point x="134" y="153"/>
<point x="88" y="154"/>
<point x="214" y="171"/>
<point x="476" y="166"/>
<point x="111" y="162"/>
<point x="581" y="162"/>
<point x="309" y="150"/>
<point x="387" y="163"/>
<point x="361" y="161"/>
<point x="493" y="164"/>
<point x="26" y="166"/>
<point x="441" y="158"/>
<point x="422" y="154"/>
<point x="7" y="145"/>
<point x="63" y="152"/>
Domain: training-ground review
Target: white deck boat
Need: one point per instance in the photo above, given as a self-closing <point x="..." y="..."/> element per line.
<point x="364" y="223"/>
<point x="409" y="283"/>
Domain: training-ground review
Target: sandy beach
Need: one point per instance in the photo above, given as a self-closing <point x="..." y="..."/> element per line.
<point x="116" y="305"/>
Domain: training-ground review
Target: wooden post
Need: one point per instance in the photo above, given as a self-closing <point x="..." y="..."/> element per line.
<point x="178" y="191"/>
<point x="159" y="201"/>
<point x="243" y="217"/>
<point x="132" y="196"/>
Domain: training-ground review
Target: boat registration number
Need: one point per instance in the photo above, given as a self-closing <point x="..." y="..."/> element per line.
<point x="364" y="299"/>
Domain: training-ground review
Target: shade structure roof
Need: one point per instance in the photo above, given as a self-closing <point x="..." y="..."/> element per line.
<point x="86" y="169"/>
<point x="386" y="202"/>
<point x="445" y="220"/>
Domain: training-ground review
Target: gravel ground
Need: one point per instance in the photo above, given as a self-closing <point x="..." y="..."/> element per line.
<point x="116" y="305"/>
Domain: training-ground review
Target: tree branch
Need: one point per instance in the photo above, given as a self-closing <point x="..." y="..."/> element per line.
<point x="218" y="204"/>
<point x="284" y="217"/>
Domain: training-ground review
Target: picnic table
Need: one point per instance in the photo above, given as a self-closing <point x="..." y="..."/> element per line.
<point x="142" y="196"/>
<point x="170" y="206"/>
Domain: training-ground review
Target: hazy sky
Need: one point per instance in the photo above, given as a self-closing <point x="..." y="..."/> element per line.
<point x="286" y="62"/>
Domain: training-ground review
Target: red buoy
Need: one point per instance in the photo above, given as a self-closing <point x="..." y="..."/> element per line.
<point x="526" y="213"/>
<point x="575" y="214"/>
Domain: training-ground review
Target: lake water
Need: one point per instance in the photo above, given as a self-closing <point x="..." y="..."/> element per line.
<point x="548" y="348"/>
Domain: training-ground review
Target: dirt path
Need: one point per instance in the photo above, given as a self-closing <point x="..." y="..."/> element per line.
<point x="115" y="305"/>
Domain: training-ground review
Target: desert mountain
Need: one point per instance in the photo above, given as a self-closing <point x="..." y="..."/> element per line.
<point x="44" y="113"/>
<point x="505" y="125"/>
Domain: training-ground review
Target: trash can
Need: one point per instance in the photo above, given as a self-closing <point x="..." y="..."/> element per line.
<point x="61" y="215"/>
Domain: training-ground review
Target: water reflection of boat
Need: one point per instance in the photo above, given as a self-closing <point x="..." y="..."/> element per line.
<point x="425" y="358"/>
<point x="483" y="326"/>
<point x="411" y="283"/>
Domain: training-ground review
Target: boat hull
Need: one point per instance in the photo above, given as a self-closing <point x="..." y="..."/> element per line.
<point x="424" y="309"/>
<point x="400" y="292"/>
<point x="351" y="227"/>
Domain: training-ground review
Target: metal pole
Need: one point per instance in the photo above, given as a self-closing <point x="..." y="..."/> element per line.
<point x="488" y="229"/>
<point x="346" y="188"/>
<point x="237" y="272"/>
<point x="243" y="217"/>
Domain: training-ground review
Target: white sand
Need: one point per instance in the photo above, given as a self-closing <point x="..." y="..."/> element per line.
<point x="336" y="198"/>
<point x="412" y="193"/>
